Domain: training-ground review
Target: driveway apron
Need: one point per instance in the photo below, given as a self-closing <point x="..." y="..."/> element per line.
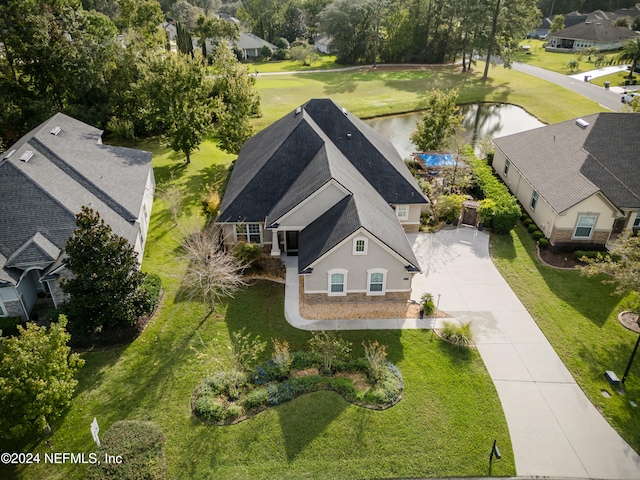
<point x="555" y="430"/>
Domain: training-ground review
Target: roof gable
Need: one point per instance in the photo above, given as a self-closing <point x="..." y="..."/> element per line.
<point x="596" y="31"/>
<point x="37" y="251"/>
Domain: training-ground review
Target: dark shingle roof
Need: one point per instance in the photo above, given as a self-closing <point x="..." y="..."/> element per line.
<point x="69" y="168"/>
<point x="285" y="163"/>
<point x="595" y="31"/>
<point x="566" y="163"/>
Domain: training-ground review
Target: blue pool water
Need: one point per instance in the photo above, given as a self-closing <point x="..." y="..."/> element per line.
<point x="437" y="159"/>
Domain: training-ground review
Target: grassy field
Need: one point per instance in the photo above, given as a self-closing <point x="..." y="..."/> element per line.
<point x="323" y="62"/>
<point x="444" y="426"/>
<point x="554" y="61"/>
<point x="370" y="93"/>
<point x="579" y="317"/>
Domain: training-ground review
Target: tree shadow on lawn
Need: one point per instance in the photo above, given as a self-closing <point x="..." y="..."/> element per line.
<point x="259" y="309"/>
<point x="588" y="296"/>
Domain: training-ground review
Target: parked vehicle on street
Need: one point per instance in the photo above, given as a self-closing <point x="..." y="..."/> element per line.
<point x="628" y="97"/>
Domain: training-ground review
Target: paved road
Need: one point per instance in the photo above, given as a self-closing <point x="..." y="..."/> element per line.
<point x="555" y="430"/>
<point x="607" y="98"/>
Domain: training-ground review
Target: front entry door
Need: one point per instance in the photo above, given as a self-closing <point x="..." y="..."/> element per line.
<point x="291" y="242"/>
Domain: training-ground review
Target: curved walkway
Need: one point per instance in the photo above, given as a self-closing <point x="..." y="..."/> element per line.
<point x="555" y="430"/>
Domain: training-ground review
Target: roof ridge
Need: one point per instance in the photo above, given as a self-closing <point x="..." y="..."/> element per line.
<point x="107" y="199"/>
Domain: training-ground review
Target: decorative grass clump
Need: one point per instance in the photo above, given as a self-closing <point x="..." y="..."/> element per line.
<point x="226" y="398"/>
<point x="458" y="334"/>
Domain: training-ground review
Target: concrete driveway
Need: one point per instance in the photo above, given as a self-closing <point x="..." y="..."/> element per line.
<point x="555" y="430"/>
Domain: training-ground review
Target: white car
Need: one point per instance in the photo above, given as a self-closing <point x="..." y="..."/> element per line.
<point x="628" y="97"/>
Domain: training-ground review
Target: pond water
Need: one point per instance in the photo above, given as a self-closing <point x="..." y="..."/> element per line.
<point x="480" y="120"/>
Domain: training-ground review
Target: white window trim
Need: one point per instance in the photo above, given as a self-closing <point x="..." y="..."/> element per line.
<point x="533" y="203"/>
<point x="355" y="243"/>
<point x="3" y="311"/>
<point x="582" y="237"/>
<point x="405" y="216"/>
<point x="636" y="222"/>
<point x="384" y="281"/>
<point x="246" y="229"/>
<point x="344" y="291"/>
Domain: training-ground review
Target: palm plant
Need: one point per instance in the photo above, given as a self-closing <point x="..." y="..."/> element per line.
<point x="630" y="53"/>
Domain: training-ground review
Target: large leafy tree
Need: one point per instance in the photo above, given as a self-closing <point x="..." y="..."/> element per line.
<point x="557" y="24"/>
<point x="36" y="378"/>
<point x="622" y="265"/>
<point x="174" y="98"/>
<point x="439" y="122"/>
<point x="351" y="24"/>
<point x="293" y="24"/>
<point x="235" y="99"/>
<point x="106" y="289"/>
<point x="215" y="29"/>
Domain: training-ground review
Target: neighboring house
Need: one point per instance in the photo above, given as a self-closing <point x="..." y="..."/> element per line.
<point x="601" y="35"/>
<point x="251" y="45"/>
<point x="570" y="19"/>
<point x="322" y="43"/>
<point x="45" y="179"/>
<point x="322" y="185"/>
<point x="169" y="27"/>
<point x="578" y="180"/>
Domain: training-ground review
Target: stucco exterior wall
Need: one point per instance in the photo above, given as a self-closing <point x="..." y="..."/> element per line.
<point x="594" y="205"/>
<point x="307" y="211"/>
<point x="357" y="266"/>
<point x="412" y="223"/>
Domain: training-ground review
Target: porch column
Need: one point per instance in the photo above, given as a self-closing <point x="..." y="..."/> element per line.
<point x="275" y="243"/>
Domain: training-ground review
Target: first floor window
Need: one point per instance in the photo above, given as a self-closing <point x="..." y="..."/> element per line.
<point x="585" y="225"/>
<point x="376" y="281"/>
<point x="636" y="224"/>
<point x="534" y="200"/>
<point x="337" y="282"/>
<point x="249" y="233"/>
<point x="506" y="167"/>
<point x="402" y="212"/>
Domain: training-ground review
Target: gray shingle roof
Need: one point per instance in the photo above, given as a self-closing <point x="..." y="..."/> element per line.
<point x="595" y="31"/>
<point x="288" y="161"/>
<point x="68" y="169"/>
<point x="566" y="164"/>
<point x="248" y="41"/>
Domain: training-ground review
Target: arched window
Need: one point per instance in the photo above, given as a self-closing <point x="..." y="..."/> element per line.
<point x="337" y="282"/>
<point x="376" y="281"/>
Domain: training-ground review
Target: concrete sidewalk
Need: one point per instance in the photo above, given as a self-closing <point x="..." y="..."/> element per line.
<point x="555" y="430"/>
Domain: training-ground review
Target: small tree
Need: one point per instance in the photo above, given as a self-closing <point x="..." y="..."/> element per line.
<point x="246" y="349"/>
<point x="173" y="198"/>
<point x="281" y="357"/>
<point x="623" y="264"/>
<point x="439" y="121"/>
<point x="266" y="52"/>
<point x="557" y="24"/>
<point x="106" y="287"/>
<point x="304" y="53"/>
<point x="330" y="346"/>
<point x="376" y="355"/>
<point x="213" y="273"/>
<point x="36" y="378"/>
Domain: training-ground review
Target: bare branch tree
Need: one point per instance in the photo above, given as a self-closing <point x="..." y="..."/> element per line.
<point x="213" y="273"/>
<point x="173" y="198"/>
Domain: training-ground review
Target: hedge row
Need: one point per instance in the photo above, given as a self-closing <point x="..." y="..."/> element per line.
<point x="506" y="212"/>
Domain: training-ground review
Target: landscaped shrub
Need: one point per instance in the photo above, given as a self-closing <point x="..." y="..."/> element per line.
<point x="506" y="212"/>
<point x="208" y="407"/>
<point x="330" y="346"/>
<point x="227" y="383"/>
<point x="543" y="243"/>
<point x="141" y="447"/>
<point x="246" y="253"/>
<point x="344" y="387"/>
<point x="376" y="355"/>
<point x="592" y="254"/>
<point x="426" y="302"/>
<point x="537" y="235"/>
<point x="532" y="227"/>
<point x="459" y="335"/>
<point x="527" y="221"/>
<point x="302" y="360"/>
<point x="255" y="398"/>
<point x="9" y="326"/>
<point x="449" y="207"/>
<point x="281" y="357"/>
<point x="389" y="388"/>
<point x="152" y="286"/>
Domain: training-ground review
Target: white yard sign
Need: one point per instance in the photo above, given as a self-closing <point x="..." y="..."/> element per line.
<point x="94" y="431"/>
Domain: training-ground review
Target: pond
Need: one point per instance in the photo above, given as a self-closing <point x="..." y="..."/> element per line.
<point x="480" y="120"/>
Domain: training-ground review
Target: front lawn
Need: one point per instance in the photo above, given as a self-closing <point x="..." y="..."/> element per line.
<point x="444" y="426"/>
<point x="323" y="62"/>
<point x="579" y="317"/>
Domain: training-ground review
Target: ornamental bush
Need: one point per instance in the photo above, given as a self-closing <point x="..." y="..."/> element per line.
<point x="537" y="235"/>
<point x="506" y="211"/>
<point x="459" y="335"/>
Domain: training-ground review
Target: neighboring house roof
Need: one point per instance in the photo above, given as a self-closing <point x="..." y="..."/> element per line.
<point x="69" y="168"/>
<point x="321" y="142"/>
<point x="322" y="39"/>
<point x="596" y="31"/>
<point x="249" y="41"/>
<point x="566" y="163"/>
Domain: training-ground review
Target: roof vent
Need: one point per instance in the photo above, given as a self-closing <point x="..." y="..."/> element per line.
<point x="344" y="110"/>
<point x="55" y="131"/>
<point x="298" y="110"/>
<point x="582" y="123"/>
<point x="349" y="136"/>
<point x="26" y="156"/>
<point x="9" y="154"/>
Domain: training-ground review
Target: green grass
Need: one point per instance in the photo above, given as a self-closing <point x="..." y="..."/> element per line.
<point x="616" y="80"/>
<point x="444" y="426"/>
<point x="554" y="61"/>
<point x="579" y="317"/>
<point x="324" y="62"/>
<point x="372" y="93"/>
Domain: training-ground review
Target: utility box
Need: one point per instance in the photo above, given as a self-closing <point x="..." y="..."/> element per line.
<point x="612" y="378"/>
